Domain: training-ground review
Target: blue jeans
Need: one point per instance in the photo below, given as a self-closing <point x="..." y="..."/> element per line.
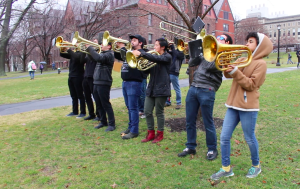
<point x="289" y="60"/>
<point x="131" y="93"/>
<point x="31" y="74"/>
<point x="143" y="95"/>
<point x="204" y="99"/>
<point x="248" y="121"/>
<point x="175" y="82"/>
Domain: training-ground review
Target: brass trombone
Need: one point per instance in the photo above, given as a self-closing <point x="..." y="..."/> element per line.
<point x="139" y="63"/>
<point x="60" y="43"/>
<point x="114" y="40"/>
<point x="224" y="54"/>
<point x="181" y="28"/>
<point x="82" y="42"/>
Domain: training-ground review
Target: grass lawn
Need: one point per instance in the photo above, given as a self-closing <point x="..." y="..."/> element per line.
<point x="53" y="85"/>
<point x="45" y="149"/>
<point x="45" y="86"/>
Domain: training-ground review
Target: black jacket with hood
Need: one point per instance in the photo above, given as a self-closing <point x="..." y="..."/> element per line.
<point x="103" y="69"/>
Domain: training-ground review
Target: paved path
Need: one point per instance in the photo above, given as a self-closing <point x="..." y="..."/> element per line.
<point x="47" y="103"/>
<point x="38" y="72"/>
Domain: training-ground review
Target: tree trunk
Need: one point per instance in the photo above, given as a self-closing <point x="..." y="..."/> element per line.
<point x="4" y="37"/>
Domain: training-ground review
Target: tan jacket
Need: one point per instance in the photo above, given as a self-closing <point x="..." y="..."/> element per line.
<point x="244" y="91"/>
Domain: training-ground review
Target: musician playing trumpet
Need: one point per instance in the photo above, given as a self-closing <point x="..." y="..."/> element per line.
<point x="243" y="103"/>
<point x="131" y="86"/>
<point x="158" y="88"/>
<point x="76" y="73"/>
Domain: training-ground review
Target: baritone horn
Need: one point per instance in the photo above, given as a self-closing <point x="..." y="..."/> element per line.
<point x="139" y="63"/>
<point x="82" y="42"/>
<point x="60" y="43"/>
<point x="114" y="40"/>
<point x="224" y="54"/>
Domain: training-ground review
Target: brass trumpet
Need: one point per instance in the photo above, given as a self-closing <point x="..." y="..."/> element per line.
<point x="198" y="36"/>
<point x="223" y="54"/>
<point x="82" y="42"/>
<point x="181" y="45"/>
<point x="60" y="43"/>
<point x="139" y="63"/>
<point x="114" y="40"/>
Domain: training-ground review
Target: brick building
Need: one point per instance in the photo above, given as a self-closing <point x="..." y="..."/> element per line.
<point x="126" y="17"/>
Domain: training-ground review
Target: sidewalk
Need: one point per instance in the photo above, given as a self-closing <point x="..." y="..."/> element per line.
<point x="47" y="103"/>
<point x="38" y="72"/>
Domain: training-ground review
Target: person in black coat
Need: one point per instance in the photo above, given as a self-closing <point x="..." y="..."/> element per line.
<point x="131" y="86"/>
<point x="76" y="71"/>
<point x="158" y="88"/>
<point x="88" y="85"/>
<point x="102" y="85"/>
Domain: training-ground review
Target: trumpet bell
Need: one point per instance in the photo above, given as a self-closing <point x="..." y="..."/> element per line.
<point x="224" y="54"/>
<point x="60" y="43"/>
<point x="114" y="40"/>
<point x="131" y="59"/>
<point x="82" y="42"/>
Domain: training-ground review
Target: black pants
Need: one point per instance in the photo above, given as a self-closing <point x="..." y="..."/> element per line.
<point x="76" y="92"/>
<point x="88" y="88"/>
<point x="102" y="96"/>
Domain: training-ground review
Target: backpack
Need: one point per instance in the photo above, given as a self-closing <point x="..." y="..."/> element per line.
<point x="33" y="66"/>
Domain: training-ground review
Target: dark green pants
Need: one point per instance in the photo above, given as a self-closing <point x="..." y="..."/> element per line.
<point x="159" y="103"/>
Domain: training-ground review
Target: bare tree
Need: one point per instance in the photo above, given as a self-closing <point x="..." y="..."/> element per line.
<point x="243" y="27"/>
<point x="7" y="29"/>
<point x="47" y="25"/>
<point x="22" y="44"/>
<point x="90" y="18"/>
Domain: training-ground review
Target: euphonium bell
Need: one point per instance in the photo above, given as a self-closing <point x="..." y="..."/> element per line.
<point x="82" y="42"/>
<point x="139" y="63"/>
<point x="114" y="40"/>
<point x="224" y="54"/>
<point x="60" y="43"/>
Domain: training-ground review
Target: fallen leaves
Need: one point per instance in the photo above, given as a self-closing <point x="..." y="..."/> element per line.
<point x="114" y="185"/>
<point x="158" y="161"/>
<point x="264" y="181"/>
<point x="296" y="105"/>
<point x="70" y="167"/>
<point x="237" y="142"/>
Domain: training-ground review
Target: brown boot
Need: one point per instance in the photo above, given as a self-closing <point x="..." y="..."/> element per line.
<point x="150" y="136"/>
<point x="159" y="137"/>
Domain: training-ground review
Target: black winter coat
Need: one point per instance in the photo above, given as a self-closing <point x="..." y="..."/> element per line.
<point x="76" y="66"/>
<point x="105" y="62"/>
<point x="159" y="84"/>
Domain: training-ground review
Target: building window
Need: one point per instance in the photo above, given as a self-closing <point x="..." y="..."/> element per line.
<point x="289" y="32"/>
<point x="148" y="0"/>
<point x="298" y="23"/>
<point x="150" y="20"/>
<point x="293" y="23"/>
<point x="270" y="26"/>
<point x="298" y="31"/>
<point x="274" y="34"/>
<point x="270" y="34"/>
<point x="294" y="32"/>
<point x="207" y="28"/>
<point x="116" y="2"/>
<point x="159" y="1"/>
<point x="166" y="2"/>
<point x="225" y="15"/>
<point x="283" y="32"/>
<point x="289" y="24"/>
<point x="153" y="1"/>
<point x="149" y="38"/>
<point x="205" y="9"/>
<point x="225" y="27"/>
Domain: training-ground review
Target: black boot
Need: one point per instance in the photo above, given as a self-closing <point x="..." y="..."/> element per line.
<point x="125" y="132"/>
<point x="100" y="126"/>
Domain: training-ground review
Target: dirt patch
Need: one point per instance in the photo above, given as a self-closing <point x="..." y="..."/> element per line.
<point x="178" y="124"/>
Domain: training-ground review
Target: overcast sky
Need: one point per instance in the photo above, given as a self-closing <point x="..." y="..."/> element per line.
<point x="239" y="7"/>
<point x="290" y="7"/>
